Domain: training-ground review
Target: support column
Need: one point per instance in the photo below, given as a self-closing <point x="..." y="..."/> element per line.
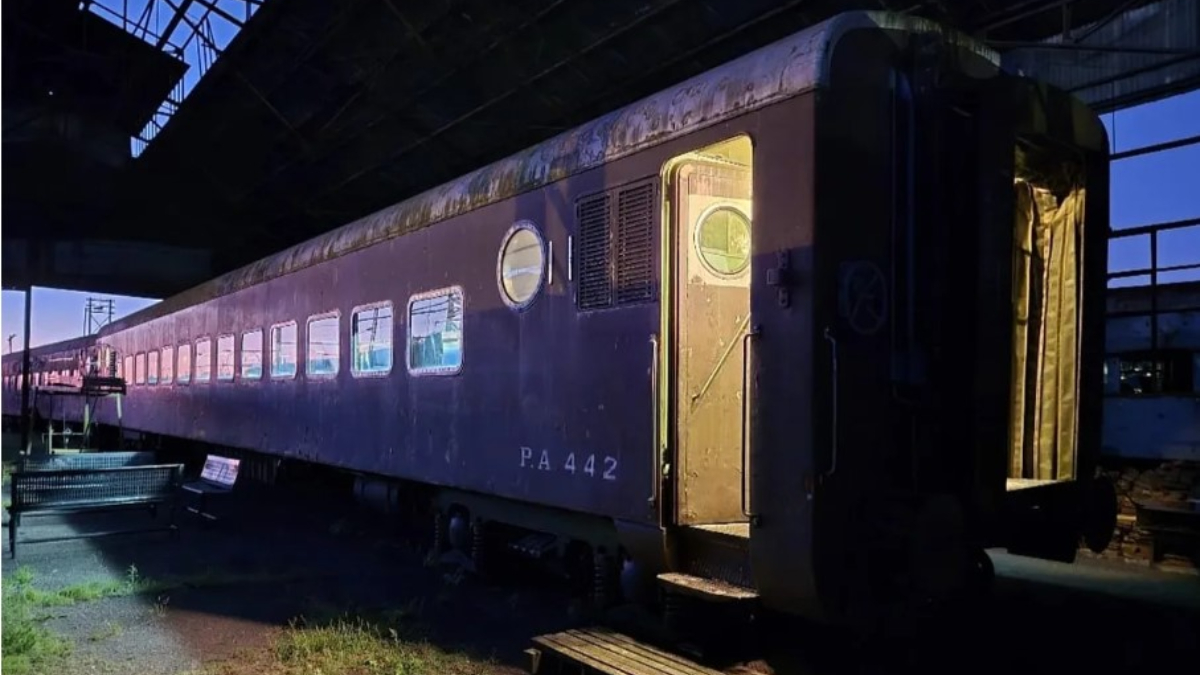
<point x="25" y="362"/>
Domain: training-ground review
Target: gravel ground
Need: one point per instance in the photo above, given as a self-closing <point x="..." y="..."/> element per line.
<point x="281" y="555"/>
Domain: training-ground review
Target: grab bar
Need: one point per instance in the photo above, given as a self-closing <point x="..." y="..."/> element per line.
<point x="834" y="384"/>
<point x="746" y="353"/>
<point x="654" y="425"/>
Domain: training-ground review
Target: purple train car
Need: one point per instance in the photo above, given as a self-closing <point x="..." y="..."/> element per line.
<point x="771" y="333"/>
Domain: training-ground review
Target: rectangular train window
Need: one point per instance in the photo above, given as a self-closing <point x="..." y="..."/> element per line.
<point x="168" y="364"/>
<point x="203" y="359"/>
<point x="323" y="346"/>
<point x="252" y="345"/>
<point x="126" y="369"/>
<point x="283" y="350"/>
<point x="152" y="367"/>
<point x="435" y="339"/>
<point x="139" y="369"/>
<point x="371" y="339"/>
<point x="185" y="364"/>
<point x="225" y="365"/>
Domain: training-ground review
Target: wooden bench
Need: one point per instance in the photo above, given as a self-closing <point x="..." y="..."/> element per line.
<point x="1169" y="523"/>
<point x="60" y="491"/>
<point x="86" y="460"/>
<point x="217" y="478"/>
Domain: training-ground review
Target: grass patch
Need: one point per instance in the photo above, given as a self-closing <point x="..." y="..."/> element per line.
<point x="28" y="646"/>
<point x="110" y="629"/>
<point x="132" y="584"/>
<point x="359" y="646"/>
<point x="23" y="588"/>
<point x="390" y="642"/>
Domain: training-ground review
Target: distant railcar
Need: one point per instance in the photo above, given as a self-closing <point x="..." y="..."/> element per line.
<point x="790" y="325"/>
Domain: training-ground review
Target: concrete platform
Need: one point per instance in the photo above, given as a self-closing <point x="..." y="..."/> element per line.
<point x="1119" y="581"/>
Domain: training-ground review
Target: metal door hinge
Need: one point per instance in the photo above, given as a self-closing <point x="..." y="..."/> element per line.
<point x="780" y="277"/>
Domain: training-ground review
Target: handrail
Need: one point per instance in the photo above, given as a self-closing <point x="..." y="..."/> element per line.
<point x="834" y="432"/>
<point x="656" y="432"/>
<point x="754" y="331"/>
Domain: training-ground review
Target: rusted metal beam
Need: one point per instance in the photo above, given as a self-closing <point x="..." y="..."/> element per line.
<point x="518" y="86"/>
<point x="1079" y="47"/>
<point x="1022" y="11"/>
<point x="1157" y="147"/>
<point x="1155" y="227"/>
<point x="1112" y="16"/>
<point x="212" y="7"/>
<point x="173" y="23"/>
<point x="392" y="110"/>
<point x="1134" y="72"/>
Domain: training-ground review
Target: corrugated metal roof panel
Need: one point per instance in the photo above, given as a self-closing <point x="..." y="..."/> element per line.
<point x="1163" y="39"/>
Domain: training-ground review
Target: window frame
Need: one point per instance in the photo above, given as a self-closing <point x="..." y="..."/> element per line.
<point x="544" y="274"/>
<point x="697" y="231"/>
<point x="355" y="372"/>
<point x="232" y="355"/>
<point x="295" y="363"/>
<point x="191" y="352"/>
<point x="434" y="371"/>
<point x="240" y="360"/>
<point x="139" y="369"/>
<point x="163" y="360"/>
<point x="337" y="370"/>
<point x="152" y="359"/>
<point x="196" y="359"/>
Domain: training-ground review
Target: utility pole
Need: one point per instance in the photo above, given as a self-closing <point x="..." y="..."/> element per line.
<point x="10" y="339"/>
<point x="26" y="429"/>
<point x="97" y="312"/>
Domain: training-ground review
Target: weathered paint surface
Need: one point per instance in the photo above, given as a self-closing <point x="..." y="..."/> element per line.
<point x="546" y="392"/>
<point x="774" y="73"/>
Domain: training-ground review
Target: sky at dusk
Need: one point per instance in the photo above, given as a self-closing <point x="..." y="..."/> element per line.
<point x="1156" y="188"/>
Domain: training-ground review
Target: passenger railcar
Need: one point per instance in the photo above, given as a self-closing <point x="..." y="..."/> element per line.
<point x="773" y="327"/>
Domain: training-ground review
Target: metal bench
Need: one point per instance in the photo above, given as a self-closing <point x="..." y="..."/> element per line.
<point x="61" y="491"/>
<point x="217" y="478"/>
<point x="86" y="460"/>
<point x="1169" y="523"/>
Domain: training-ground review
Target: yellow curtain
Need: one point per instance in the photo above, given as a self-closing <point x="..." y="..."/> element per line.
<point x="1046" y="337"/>
<point x="1023" y="277"/>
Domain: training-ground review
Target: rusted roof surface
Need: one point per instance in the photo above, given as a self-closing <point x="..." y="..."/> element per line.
<point x="773" y="73"/>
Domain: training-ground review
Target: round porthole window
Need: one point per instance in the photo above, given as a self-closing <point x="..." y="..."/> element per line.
<point x="522" y="265"/>
<point x="723" y="241"/>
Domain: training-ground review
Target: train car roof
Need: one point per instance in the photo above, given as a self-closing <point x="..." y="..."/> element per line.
<point x="52" y="348"/>
<point x="781" y="70"/>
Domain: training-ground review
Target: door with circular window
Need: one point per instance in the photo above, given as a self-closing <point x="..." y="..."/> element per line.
<point x="711" y="207"/>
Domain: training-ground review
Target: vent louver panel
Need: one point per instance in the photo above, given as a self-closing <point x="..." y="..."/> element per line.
<point x="615" y="253"/>
<point x="635" y="268"/>
<point x="594" y="252"/>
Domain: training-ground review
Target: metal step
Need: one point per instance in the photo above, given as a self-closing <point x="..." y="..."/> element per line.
<point x="602" y="650"/>
<point x="714" y="553"/>
<point x="713" y="590"/>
